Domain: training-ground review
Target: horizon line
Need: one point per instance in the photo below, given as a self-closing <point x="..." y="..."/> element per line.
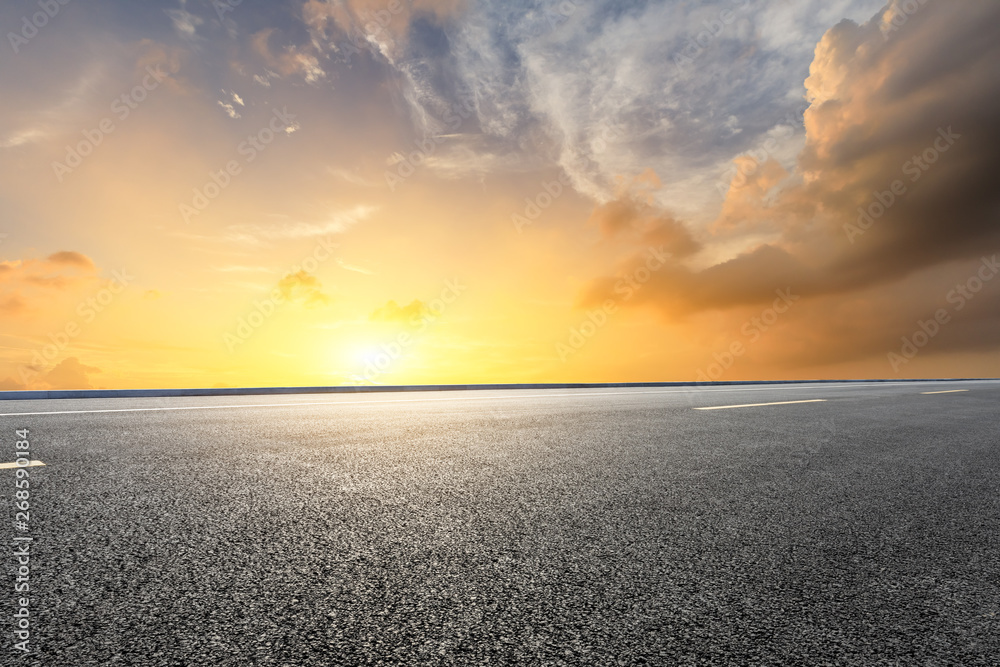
<point x="45" y="394"/>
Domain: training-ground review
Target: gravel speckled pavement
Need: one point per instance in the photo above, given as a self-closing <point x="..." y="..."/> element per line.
<point x="573" y="527"/>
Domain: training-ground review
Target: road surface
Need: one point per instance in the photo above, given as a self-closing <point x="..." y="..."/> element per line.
<point x="839" y="524"/>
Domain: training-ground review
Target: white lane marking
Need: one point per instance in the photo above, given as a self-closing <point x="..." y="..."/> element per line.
<point x="31" y="464"/>
<point x="950" y="391"/>
<point x="455" y="398"/>
<point x="759" y="405"/>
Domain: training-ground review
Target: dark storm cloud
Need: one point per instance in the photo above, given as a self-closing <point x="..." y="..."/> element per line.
<point x="897" y="179"/>
<point x="879" y="121"/>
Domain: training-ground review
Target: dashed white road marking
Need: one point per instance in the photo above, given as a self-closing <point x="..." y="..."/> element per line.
<point x="31" y="464"/>
<point x="950" y="391"/>
<point x="760" y="405"/>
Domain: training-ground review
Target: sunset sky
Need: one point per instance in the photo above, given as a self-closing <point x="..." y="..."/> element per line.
<point x="207" y="193"/>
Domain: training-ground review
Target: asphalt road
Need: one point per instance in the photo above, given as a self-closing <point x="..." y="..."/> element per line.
<point x="586" y="527"/>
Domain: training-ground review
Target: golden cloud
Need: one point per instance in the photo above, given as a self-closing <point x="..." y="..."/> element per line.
<point x="393" y="312"/>
<point x="304" y="288"/>
<point x="28" y="281"/>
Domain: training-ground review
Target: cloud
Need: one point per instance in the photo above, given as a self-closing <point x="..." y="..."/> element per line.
<point x="287" y="61"/>
<point x="59" y="270"/>
<point x="10" y="384"/>
<point x="229" y="109"/>
<point x="304" y="288"/>
<point x="70" y="374"/>
<point x="238" y="268"/>
<point x="912" y="107"/>
<point x="71" y="258"/>
<point x="12" y="305"/>
<point x="338" y="223"/>
<point x="385" y="24"/>
<point x="22" y="137"/>
<point x="44" y="119"/>
<point x="634" y="217"/>
<point x="393" y="312"/>
<point x="356" y="269"/>
<point x="185" y="23"/>
<point x="354" y="178"/>
<point x="593" y="88"/>
<point x="28" y="284"/>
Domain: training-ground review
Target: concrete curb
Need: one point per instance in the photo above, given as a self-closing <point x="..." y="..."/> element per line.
<point x="366" y="389"/>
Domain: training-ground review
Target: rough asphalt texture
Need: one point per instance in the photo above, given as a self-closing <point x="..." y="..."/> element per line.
<point x="515" y="528"/>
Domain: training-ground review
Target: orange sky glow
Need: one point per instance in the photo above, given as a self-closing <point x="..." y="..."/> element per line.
<point x="447" y="191"/>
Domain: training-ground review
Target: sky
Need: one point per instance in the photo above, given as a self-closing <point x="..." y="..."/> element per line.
<point x="207" y="193"/>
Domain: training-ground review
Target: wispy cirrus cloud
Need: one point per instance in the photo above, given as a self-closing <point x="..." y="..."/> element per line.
<point x="542" y="83"/>
<point x="338" y="223"/>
